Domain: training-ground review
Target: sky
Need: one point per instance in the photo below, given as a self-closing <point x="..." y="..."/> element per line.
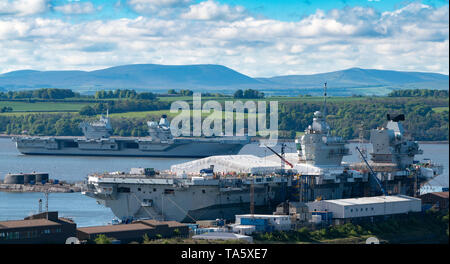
<point x="258" y="38"/>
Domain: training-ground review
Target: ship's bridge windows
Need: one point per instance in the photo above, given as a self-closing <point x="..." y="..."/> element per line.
<point x="123" y="190"/>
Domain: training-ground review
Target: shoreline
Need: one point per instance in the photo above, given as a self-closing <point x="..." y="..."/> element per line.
<point x="50" y="188"/>
<point x="255" y="139"/>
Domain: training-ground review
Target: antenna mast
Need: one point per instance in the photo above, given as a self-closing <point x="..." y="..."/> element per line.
<point x="46" y="201"/>
<point x="361" y="141"/>
<point x="325" y="100"/>
<point x="252" y="197"/>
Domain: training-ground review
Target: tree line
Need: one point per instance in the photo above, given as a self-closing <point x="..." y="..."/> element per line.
<point x="345" y="118"/>
<point x="44" y="93"/>
<point x="419" y="93"/>
<point x="122" y="106"/>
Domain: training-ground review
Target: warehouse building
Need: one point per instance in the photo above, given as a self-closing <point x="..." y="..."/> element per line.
<point x="134" y="232"/>
<point x="43" y="228"/>
<point x="438" y="200"/>
<point x="366" y="207"/>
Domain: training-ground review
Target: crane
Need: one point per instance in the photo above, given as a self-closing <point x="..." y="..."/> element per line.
<point x="281" y="157"/>
<point x="372" y="173"/>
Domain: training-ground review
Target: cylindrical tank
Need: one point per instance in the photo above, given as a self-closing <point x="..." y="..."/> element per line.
<point x="13" y="179"/>
<point x="40" y="177"/>
<point x="28" y="178"/>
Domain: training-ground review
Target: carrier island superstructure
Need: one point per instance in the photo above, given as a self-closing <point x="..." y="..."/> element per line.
<point x="98" y="141"/>
<point x="223" y="186"/>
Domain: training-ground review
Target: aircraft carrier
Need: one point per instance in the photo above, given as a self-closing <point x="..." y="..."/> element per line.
<point x="223" y="186"/>
<point x="98" y="141"/>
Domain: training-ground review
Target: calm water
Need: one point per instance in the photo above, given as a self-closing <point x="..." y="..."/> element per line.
<point x="85" y="211"/>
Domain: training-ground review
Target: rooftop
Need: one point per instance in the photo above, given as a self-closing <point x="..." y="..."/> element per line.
<point x="262" y="216"/>
<point x="114" y="228"/>
<point x="220" y="235"/>
<point x="27" y="223"/>
<point x="440" y="194"/>
<point x="372" y="200"/>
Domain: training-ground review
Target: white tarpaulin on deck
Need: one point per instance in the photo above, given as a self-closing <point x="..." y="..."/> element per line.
<point x="229" y="163"/>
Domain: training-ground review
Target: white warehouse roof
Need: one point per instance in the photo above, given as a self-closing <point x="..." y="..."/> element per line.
<point x="368" y="206"/>
<point x="372" y="200"/>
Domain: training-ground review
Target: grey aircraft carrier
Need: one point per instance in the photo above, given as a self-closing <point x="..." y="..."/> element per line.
<point x="98" y="141"/>
<point x="223" y="186"/>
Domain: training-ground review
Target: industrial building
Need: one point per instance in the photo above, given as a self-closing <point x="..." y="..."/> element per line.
<point x="26" y="178"/>
<point x="43" y="228"/>
<point x="134" y="232"/>
<point x="438" y="200"/>
<point x="364" y="207"/>
<point x="265" y="223"/>
<point x="298" y="211"/>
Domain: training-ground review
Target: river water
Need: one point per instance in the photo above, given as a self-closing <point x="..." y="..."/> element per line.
<point x="86" y="212"/>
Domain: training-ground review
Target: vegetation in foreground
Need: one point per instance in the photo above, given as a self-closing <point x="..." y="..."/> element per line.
<point x="431" y="227"/>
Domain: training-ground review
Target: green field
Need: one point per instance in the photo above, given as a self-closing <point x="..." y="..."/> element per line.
<point x="159" y="113"/>
<point x="43" y="106"/>
<point x="271" y="98"/>
<point x="440" y="109"/>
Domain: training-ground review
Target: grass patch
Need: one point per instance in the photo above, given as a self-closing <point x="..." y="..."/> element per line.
<point x="43" y="106"/>
<point x="440" y="109"/>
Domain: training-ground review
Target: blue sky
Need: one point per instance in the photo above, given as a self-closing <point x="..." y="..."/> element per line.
<point x="284" y="10"/>
<point x="256" y="37"/>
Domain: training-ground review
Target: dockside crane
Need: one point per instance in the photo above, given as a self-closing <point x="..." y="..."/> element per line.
<point x="372" y="172"/>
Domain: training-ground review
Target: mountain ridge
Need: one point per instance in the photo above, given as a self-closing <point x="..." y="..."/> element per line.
<point x="219" y="78"/>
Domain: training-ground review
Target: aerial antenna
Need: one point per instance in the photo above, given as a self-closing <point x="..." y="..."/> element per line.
<point x="282" y="155"/>
<point x="252" y="197"/>
<point x="325" y="100"/>
<point x="361" y="142"/>
<point x="46" y="201"/>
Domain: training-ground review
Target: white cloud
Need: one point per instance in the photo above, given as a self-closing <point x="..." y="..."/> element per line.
<point x="413" y="38"/>
<point x="76" y="8"/>
<point x="23" y="7"/>
<point x="160" y="7"/>
<point x="211" y="10"/>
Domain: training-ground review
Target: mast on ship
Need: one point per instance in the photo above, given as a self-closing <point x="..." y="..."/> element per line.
<point x="325" y="100"/>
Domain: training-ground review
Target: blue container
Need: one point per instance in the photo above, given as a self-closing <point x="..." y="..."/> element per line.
<point x="325" y="216"/>
<point x="32" y="182"/>
<point x="43" y="181"/>
<point x="55" y="181"/>
<point x="260" y="224"/>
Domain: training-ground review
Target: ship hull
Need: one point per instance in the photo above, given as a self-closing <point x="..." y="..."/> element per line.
<point x="125" y="147"/>
<point x="187" y="204"/>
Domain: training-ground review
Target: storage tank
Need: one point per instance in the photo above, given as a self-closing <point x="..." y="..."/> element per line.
<point x="14" y="179"/>
<point x="28" y="178"/>
<point x="40" y="177"/>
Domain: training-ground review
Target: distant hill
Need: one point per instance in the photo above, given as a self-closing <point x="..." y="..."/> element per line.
<point x="218" y="78"/>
